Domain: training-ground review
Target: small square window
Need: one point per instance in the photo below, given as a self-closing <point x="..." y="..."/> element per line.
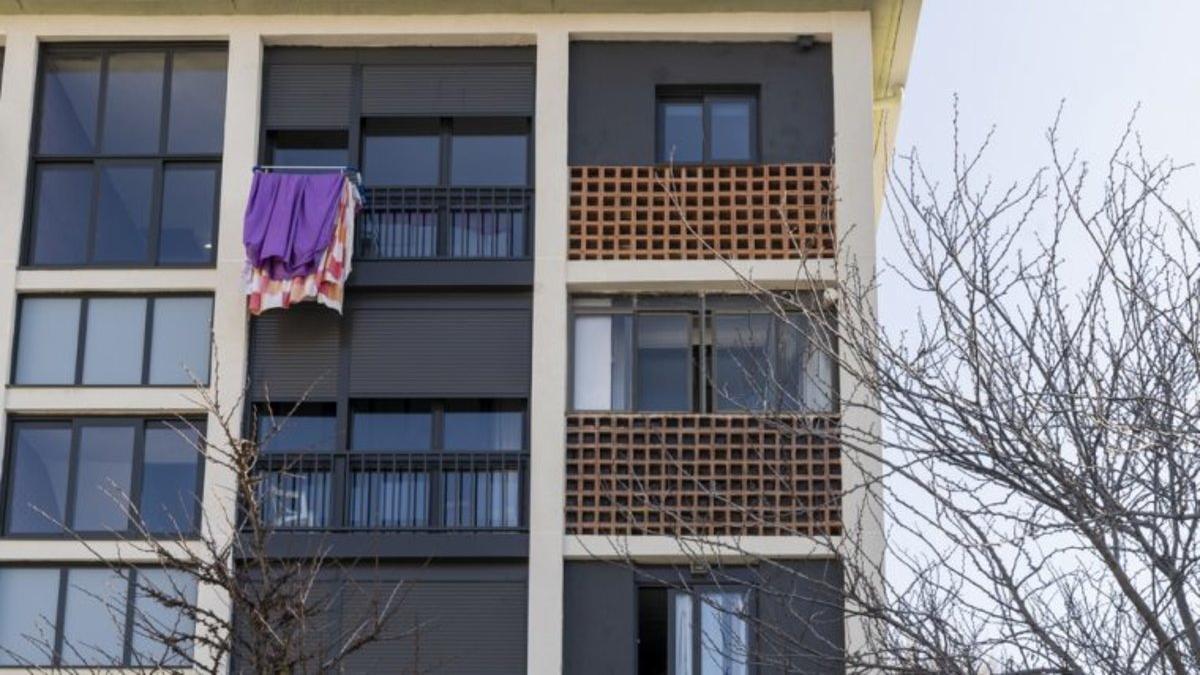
<point x="698" y="126"/>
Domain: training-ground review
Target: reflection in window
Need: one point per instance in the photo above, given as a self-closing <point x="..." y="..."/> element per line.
<point x="391" y="425"/>
<point x="125" y="189"/>
<point x="488" y="159"/>
<point x="41" y="454"/>
<point x="706" y="127"/>
<point x="102" y="454"/>
<point x="402" y="154"/>
<point x="115" y="351"/>
<point x="109" y="617"/>
<point x="484" y="425"/>
<point x="664" y="358"/>
<point x="308" y="427"/>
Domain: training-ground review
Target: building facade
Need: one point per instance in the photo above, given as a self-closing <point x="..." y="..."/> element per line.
<point x="533" y="338"/>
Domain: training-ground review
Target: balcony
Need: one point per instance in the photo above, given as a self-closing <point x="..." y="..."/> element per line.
<point x="764" y="212"/>
<point x="396" y="492"/>
<point x="703" y="475"/>
<point x="444" y="236"/>
<point x="400" y="223"/>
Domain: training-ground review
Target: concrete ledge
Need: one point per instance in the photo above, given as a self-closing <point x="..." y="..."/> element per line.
<point x="663" y="549"/>
<point x="116" y="280"/>
<point x="698" y="275"/>
<point x="102" y="400"/>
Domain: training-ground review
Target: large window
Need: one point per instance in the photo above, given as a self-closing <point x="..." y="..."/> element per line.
<point x="113" y="340"/>
<point x="95" y="616"/>
<point x="88" y="476"/>
<point x="127" y="156"/>
<point x="415" y="464"/>
<point x="699" y="631"/>
<point x="716" y="125"/>
<point x="696" y="354"/>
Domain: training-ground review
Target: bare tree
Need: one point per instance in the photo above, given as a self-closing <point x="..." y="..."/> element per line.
<point x="265" y="613"/>
<point x="1036" y="470"/>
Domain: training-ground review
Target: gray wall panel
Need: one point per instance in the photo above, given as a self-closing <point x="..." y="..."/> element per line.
<point x="292" y="350"/>
<point x="308" y="96"/>
<point x="599" y="619"/>
<point x="447" y="89"/>
<point x="440" y="346"/>
<point x="613" y="87"/>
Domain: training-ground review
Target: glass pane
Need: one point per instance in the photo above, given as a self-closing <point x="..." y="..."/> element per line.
<point x="37" y="500"/>
<point x="123" y="214"/>
<point x="133" y="103"/>
<point x="27" y="619"/>
<point x="664" y="362"/>
<point x="488" y="159"/>
<point x="70" y="99"/>
<point x="116" y="333"/>
<point x="181" y="339"/>
<point x="817" y="368"/>
<point x="484" y="425"/>
<point x="390" y="495"/>
<point x="603" y="351"/>
<point x="196" y="122"/>
<point x="724" y="634"/>
<point x="62" y="214"/>
<point x="154" y="618"/>
<point x="400" y="159"/>
<point x="682" y="132"/>
<point x="47" y="341"/>
<point x="391" y="425"/>
<point x="310" y="148"/>
<point x="311" y="428"/>
<point x="296" y="498"/>
<point x="732" y="124"/>
<point x="683" y="630"/>
<point x="102" y="490"/>
<point x="94" y="622"/>
<point x="744" y="377"/>
<point x="169" y="474"/>
<point x="189" y="215"/>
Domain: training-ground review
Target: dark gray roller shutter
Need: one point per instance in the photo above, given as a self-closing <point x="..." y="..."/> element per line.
<point x="460" y="627"/>
<point x="293" y="349"/>
<point x="448" y="89"/>
<point x="306" y="96"/>
<point x="478" y="350"/>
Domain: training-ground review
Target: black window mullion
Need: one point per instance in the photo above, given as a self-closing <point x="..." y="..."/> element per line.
<point x="147" y="338"/>
<point x="101" y="103"/>
<point x="156" y="212"/>
<point x="706" y="125"/>
<point x="434" y="468"/>
<point x="60" y="618"/>
<point x="164" y="104"/>
<point x="72" y="476"/>
<point x="130" y="599"/>
<point x="445" y="143"/>
<point x="355" y="124"/>
<point x="81" y="340"/>
<point x="136" y="475"/>
<point x="94" y="213"/>
<point x="704" y="384"/>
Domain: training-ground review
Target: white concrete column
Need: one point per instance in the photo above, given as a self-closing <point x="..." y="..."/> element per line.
<point x="856" y="230"/>
<point x="548" y="396"/>
<point x="229" y="305"/>
<point x="17" y="88"/>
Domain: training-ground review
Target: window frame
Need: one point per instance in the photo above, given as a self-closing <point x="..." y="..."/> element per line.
<point x="158" y="161"/>
<point x="694" y="593"/>
<point x="705" y="96"/>
<point x="129" y="574"/>
<point x="703" y="392"/>
<point x="81" y="338"/>
<point x="137" y="474"/>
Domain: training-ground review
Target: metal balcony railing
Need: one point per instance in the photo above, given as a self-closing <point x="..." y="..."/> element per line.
<point x="437" y="492"/>
<point x="399" y="223"/>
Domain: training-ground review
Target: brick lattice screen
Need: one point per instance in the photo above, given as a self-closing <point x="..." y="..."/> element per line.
<point x="702" y="474"/>
<point x="774" y="211"/>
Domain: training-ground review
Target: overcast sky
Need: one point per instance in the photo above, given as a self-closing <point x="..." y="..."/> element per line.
<point x="1011" y="62"/>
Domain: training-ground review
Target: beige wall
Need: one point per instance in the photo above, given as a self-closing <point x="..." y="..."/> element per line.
<point x="554" y="275"/>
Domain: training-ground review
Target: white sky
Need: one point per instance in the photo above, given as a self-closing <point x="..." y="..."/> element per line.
<point x="1011" y="62"/>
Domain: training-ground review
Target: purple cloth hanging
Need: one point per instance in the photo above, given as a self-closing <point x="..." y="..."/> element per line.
<point x="290" y="221"/>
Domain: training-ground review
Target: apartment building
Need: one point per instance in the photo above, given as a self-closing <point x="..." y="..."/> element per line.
<point x="527" y="316"/>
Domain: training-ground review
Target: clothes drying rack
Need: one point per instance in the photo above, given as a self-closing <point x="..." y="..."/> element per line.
<point x="354" y="173"/>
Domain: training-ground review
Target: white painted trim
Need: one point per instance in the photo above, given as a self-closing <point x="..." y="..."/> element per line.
<point x="663" y="549"/>
<point x="28" y="400"/>
<point x="688" y="276"/>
